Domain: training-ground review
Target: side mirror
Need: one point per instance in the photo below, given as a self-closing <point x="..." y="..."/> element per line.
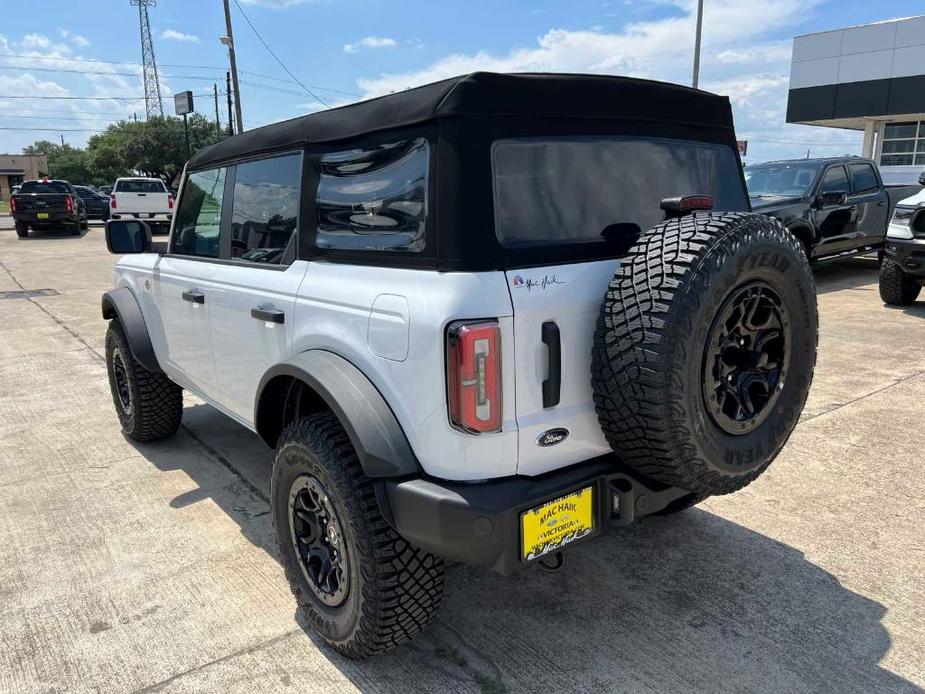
<point x="128" y="236"/>
<point x="832" y="199"/>
<point x="922" y="179"/>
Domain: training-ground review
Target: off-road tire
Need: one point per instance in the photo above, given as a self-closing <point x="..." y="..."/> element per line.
<point x="156" y="405"/>
<point x="22" y="230"/>
<point x="650" y="348"/>
<point x="394" y="588"/>
<point x="896" y="287"/>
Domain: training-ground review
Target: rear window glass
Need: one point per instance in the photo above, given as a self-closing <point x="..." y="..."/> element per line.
<point x="44" y="187"/>
<point x="374" y="198"/>
<point x="140" y="187"/>
<point x="565" y="191"/>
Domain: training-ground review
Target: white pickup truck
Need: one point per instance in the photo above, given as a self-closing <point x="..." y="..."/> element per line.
<point x="142" y="198"/>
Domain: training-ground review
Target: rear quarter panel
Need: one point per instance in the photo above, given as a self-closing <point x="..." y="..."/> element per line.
<point x="391" y="324"/>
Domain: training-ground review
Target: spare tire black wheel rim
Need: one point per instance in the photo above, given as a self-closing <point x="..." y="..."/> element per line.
<point x="120" y="376"/>
<point x="318" y="541"/>
<point x="746" y="358"/>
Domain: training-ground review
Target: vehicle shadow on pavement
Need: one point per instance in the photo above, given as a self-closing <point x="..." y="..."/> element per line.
<point x="852" y="273"/>
<point x="691" y="602"/>
<point x="53" y="234"/>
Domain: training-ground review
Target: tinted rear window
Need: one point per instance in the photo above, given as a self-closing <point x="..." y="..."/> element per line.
<point x="566" y="191"/>
<point x="140" y="187"/>
<point x="43" y="187"/>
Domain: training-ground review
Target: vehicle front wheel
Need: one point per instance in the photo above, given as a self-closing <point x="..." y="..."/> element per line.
<point x="149" y="405"/>
<point x="22" y="230"/>
<point x="896" y="287"/>
<point x="361" y="586"/>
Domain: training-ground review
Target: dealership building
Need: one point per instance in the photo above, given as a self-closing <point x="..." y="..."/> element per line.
<point x="869" y="78"/>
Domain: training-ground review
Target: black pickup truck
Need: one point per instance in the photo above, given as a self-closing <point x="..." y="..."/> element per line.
<point x="837" y="207"/>
<point x="47" y="204"/>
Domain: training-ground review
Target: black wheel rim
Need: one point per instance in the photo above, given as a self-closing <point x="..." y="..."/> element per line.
<point x="318" y="541"/>
<point x="120" y="375"/>
<point x="746" y="358"/>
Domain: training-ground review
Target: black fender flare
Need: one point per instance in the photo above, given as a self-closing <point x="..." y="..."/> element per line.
<point x="371" y="426"/>
<point x="121" y="304"/>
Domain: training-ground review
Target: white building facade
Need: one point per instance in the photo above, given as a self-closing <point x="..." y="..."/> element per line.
<point x="869" y="78"/>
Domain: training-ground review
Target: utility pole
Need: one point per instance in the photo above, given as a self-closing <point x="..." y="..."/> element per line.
<point x="218" y="125"/>
<point x="228" y="96"/>
<point x="62" y="139"/>
<point x="228" y="40"/>
<point x="153" y="105"/>
<point x="696" y="79"/>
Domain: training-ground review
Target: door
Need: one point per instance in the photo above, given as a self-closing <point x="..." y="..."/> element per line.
<point x="568" y="192"/>
<point x="182" y="283"/>
<point x="254" y="291"/>
<point x="836" y="225"/>
<point x="872" y="203"/>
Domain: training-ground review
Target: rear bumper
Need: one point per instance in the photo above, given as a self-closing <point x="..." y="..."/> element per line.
<point x="54" y="217"/>
<point x="909" y="254"/>
<point x="149" y="217"/>
<point x="480" y="523"/>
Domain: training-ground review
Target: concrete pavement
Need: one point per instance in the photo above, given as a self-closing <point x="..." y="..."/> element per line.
<point x="136" y="568"/>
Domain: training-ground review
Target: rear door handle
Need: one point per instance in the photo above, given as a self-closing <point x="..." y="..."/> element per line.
<point x="268" y="315"/>
<point x="553" y="384"/>
<point x="194" y="296"/>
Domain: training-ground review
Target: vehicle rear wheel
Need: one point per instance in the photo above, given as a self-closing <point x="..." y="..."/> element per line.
<point x="705" y="349"/>
<point x="896" y="287"/>
<point x="149" y="405"/>
<point x="22" y="230"/>
<point x="362" y="587"/>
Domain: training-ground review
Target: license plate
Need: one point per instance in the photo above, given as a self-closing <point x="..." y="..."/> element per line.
<point x="556" y="523"/>
<point x="42" y="215"/>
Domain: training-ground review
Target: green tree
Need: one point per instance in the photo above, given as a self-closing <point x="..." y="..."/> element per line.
<point x="150" y="148"/>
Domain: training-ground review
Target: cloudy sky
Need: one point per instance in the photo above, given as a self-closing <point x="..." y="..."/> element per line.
<point x="344" y="50"/>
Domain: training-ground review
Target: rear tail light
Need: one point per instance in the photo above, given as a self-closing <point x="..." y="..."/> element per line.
<point x="69" y="203"/>
<point x="169" y="201"/>
<point x="112" y="200"/>
<point x="12" y="204"/>
<point x="675" y="207"/>
<point x="473" y="360"/>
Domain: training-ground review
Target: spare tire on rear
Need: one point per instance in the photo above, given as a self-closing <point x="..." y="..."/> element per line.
<point x="704" y="350"/>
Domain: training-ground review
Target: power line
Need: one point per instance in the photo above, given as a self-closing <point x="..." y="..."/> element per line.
<point x="57" y="130"/>
<point x="177" y="65"/>
<point x="275" y="57"/>
<point x="84" y="98"/>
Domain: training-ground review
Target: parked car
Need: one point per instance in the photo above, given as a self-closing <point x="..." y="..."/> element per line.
<point x="837" y="207"/>
<point x="142" y="198"/>
<point x="14" y="190"/>
<point x="903" y="270"/>
<point x="922" y="178"/>
<point x="469" y="330"/>
<point x="47" y="204"/>
<point x="104" y="190"/>
<point x="97" y="204"/>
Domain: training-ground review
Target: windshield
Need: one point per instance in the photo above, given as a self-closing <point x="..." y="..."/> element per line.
<point x="142" y="186"/>
<point x="563" y="191"/>
<point x="780" y="179"/>
<point x="44" y="187"/>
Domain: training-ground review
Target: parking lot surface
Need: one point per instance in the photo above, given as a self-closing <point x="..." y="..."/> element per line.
<point x="150" y="567"/>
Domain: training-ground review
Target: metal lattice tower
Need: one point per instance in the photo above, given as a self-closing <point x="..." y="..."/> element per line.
<point x="153" y="104"/>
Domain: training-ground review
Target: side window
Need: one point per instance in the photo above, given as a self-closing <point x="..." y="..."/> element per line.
<point x="863" y="178"/>
<point x="374" y="198"/>
<point x="196" y="230"/>
<point x="835" y="181"/>
<point x="265" y="208"/>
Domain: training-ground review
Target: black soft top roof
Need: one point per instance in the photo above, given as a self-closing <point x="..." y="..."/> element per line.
<point x="526" y="95"/>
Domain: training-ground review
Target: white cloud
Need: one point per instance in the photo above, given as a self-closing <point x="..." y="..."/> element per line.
<point x="173" y="35"/>
<point x="736" y="60"/>
<point x="77" y="39"/>
<point x="370" y="42"/>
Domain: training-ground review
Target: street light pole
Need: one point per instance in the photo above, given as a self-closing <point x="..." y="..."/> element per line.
<point x="228" y="40"/>
<point x="696" y="79"/>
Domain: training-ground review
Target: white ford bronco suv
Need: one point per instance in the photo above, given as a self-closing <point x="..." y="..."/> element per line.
<point x="478" y="320"/>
